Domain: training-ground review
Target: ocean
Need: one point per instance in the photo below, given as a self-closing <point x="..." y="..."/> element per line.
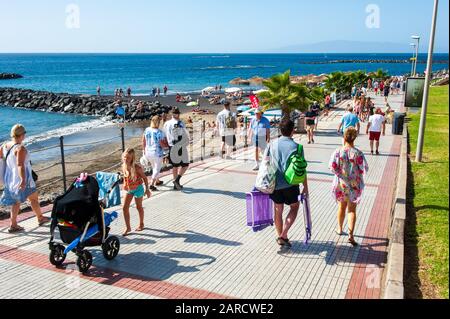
<point x="82" y="73"/>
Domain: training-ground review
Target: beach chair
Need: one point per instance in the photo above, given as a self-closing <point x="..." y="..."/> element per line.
<point x="260" y="211"/>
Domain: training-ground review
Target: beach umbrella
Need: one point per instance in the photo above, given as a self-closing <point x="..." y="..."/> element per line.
<point x="243" y="108"/>
<point x="192" y="104"/>
<point x="233" y="90"/>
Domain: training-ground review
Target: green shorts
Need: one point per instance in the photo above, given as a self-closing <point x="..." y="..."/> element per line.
<point x="138" y="192"/>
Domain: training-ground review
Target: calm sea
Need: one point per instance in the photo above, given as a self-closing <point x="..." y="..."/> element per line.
<point x="82" y="73"/>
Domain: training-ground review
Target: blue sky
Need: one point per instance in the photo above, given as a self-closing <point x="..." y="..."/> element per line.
<point x="211" y="26"/>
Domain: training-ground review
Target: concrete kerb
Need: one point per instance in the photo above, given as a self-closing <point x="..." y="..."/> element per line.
<point x="394" y="287"/>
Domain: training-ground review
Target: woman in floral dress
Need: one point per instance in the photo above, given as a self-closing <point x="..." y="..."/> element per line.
<point x="349" y="165"/>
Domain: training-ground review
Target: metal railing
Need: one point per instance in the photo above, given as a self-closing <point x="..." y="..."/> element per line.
<point x="65" y="163"/>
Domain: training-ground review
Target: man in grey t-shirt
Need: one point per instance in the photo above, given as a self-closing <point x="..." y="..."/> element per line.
<point x="280" y="151"/>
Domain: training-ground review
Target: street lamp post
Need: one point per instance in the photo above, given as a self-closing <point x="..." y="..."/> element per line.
<point x="423" y="119"/>
<point x="416" y="37"/>
<point x="413" y="45"/>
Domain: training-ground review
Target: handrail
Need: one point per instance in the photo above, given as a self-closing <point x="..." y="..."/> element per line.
<point x="48" y="167"/>
<point x="91" y="143"/>
<point x="44" y="149"/>
<point x="49" y="184"/>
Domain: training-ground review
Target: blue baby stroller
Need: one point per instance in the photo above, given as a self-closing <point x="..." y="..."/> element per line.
<point x="82" y="222"/>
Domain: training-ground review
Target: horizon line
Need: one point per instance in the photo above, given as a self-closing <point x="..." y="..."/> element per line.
<point x="209" y="53"/>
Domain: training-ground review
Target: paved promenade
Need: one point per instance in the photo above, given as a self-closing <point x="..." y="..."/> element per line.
<point x="196" y="243"/>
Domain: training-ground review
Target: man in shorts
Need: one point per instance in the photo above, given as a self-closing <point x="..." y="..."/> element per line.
<point x="376" y="127"/>
<point x="259" y="133"/>
<point x="226" y="122"/>
<point x="316" y="109"/>
<point x="178" y="139"/>
<point x="280" y="152"/>
<point x="310" y="124"/>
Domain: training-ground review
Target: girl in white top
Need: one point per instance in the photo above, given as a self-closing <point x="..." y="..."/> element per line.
<point x="19" y="184"/>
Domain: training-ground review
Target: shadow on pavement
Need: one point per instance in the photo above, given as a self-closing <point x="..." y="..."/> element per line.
<point x="189" y="237"/>
<point x="337" y="254"/>
<point x="147" y="266"/>
<point x="236" y="195"/>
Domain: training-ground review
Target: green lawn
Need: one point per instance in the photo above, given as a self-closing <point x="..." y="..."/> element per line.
<point x="431" y="198"/>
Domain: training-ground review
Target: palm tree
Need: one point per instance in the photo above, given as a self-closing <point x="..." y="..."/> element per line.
<point x="358" y="77"/>
<point x="281" y="92"/>
<point x="334" y="81"/>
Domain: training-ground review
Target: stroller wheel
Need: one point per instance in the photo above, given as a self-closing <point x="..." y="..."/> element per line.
<point x="111" y="248"/>
<point x="84" y="261"/>
<point x="57" y="256"/>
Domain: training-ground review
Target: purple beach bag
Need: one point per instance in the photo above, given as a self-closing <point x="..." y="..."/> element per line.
<point x="259" y="211"/>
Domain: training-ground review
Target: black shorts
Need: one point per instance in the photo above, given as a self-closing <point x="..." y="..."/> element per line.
<point x="228" y="140"/>
<point x="287" y="196"/>
<point x="180" y="159"/>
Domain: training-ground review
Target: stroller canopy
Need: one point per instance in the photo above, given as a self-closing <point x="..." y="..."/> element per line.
<point x="79" y="205"/>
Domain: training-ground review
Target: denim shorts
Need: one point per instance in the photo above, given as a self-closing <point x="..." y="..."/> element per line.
<point x="138" y="192"/>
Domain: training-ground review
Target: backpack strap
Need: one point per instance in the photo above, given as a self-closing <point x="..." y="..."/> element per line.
<point x="9" y="151"/>
<point x="301" y="151"/>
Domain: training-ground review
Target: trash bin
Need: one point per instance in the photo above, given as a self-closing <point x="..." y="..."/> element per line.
<point x="398" y="123"/>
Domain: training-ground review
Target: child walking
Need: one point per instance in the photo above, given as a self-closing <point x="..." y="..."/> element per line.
<point x="134" y="178"/>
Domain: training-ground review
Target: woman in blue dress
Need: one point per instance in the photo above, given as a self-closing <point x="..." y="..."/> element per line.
<point x="19" y="185"/>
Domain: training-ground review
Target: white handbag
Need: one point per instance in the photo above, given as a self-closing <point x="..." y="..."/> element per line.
<point x="267" y="179"/>
<point x="2" y="168"/>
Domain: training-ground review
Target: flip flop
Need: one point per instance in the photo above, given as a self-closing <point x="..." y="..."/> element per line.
<point x="17" y="229"/>
<point x="43" y="221"/>
<point x="352" y="242"/>
<point x="284" y="242"/>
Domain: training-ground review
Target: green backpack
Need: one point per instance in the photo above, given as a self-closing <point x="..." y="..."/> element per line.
<point x="296" y="168"/>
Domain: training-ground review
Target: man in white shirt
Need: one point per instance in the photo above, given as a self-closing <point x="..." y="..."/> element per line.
<point x="178" y="139"/>
<point x="226" y="123"/>
<point x="376" y="127"/>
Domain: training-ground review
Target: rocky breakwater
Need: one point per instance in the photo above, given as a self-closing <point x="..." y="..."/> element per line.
<point x="256" y="80"/>
<point x="10" y="76"/>
<point x="78" y="104"/>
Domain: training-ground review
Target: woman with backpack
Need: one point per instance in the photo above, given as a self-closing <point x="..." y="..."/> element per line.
<point x="154" y="142"/>
<point x="18" y="178"/>
<point x="348" y="164"/>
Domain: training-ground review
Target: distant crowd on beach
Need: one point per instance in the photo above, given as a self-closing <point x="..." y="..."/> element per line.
<point x="120" y="94"/>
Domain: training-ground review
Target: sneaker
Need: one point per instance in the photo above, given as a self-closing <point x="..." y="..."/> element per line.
<point x="153" y="189"/>
<point x="378" y="153"/>
<point x="256" y="168"/>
